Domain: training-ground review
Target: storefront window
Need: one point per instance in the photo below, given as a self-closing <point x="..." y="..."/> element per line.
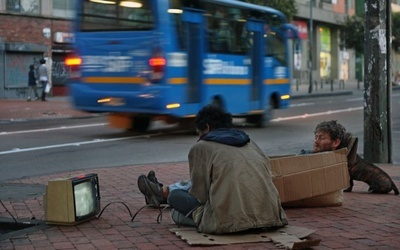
<point x="24" y="6"/>
<point x="62" y="8"/>
<point x="325" y="53"/>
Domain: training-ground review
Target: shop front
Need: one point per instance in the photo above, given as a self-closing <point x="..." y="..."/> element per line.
<point x="61" y="48"/>
<point x="15" y="60"/>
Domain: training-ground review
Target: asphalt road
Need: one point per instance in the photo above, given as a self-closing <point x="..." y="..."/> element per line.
<point x="35" y="148"/>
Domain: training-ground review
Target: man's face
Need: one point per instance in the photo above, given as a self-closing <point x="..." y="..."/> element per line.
<point x="323" y="142"/>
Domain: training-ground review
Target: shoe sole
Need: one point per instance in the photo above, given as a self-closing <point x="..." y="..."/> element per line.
<point x="151" y="176"/>
<point x="150" y="197"/>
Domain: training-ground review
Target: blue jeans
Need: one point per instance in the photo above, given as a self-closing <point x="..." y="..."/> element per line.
<point x="183" y="202"/>
<point x="44" y="83"/>
<point x="183" y="205"/>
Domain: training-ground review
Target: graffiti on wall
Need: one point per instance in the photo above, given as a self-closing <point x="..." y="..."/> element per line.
<point x="20" y="92"/>
<point x="17" y="68"/>
<point x="59" y="72"/>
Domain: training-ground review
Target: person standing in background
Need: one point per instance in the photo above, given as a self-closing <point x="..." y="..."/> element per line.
<point x="32" y="83"/>
<point x="43" y="77"/>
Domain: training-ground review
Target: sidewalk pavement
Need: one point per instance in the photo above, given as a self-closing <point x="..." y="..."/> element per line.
<point x="364" y="221"/>
<point x="12" y="110"/>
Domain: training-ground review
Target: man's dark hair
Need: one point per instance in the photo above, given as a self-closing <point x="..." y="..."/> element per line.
<point x="335" y="130"/>
<point x="214" y="116"/>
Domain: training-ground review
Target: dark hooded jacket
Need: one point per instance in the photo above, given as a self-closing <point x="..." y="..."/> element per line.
<point x="231" y="177"/>
<point x="31" y="76"/>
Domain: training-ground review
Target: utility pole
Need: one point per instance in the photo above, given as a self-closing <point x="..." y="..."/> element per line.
<point x="310" y="37"/>
<point x="377" y="85"/>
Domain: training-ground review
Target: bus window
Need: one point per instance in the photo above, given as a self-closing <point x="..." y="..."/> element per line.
<point x="225" y="29"/>
<point x="275" y="47"/>
<point x="176" y="9"/>
<point x="98" y="16"/>
<point x="220" y="35"/>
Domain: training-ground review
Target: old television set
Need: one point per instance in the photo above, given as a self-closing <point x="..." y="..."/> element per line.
<point x="69" y="201"/>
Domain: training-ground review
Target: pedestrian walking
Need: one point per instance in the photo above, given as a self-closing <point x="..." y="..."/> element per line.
<point x="32" y="83"/>
<point x="43" y="78"/>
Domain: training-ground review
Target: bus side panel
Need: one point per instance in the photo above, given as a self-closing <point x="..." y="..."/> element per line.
<point x="277" y="81"/>
<point x="276" y="70"/>
<point x="227" y="78"/>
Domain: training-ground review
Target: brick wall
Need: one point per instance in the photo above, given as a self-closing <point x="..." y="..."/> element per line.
<point x="17" y="28"/>
<point x="28" y="30"/>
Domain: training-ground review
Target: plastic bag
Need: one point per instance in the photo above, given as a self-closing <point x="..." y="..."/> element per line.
<point x="47" y="89"/>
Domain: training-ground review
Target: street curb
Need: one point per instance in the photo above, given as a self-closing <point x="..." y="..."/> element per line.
<point x="316" y="95"/>
<point x="337" y="93"/>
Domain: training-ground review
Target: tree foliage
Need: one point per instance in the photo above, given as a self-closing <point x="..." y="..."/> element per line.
<point x="396" y="31"/>
<point x="353" y="33"/>
<point x="287" y="7"/>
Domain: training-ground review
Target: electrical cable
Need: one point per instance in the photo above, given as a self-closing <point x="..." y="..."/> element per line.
<point x="15" y="220"/>
<point x="130" y="214"/>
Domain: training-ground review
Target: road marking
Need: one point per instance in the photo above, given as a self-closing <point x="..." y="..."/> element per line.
<point x="355" y="99"/>
<point x="72" y="144"/>
<point x="77" y="144"/>
<point x="301" y="104"/>
<point x="52" y="129"/>
<point x="279" y="119"/>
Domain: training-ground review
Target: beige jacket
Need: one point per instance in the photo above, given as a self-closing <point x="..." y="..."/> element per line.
<point x="235" y="186"/>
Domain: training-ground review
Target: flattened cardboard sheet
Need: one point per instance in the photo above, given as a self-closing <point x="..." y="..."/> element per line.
<point x="286" y="236"/>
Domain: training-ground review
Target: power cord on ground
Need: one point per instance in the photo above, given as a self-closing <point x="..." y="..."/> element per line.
<point x="15" y="220"/>
<point x="159" y="217"/>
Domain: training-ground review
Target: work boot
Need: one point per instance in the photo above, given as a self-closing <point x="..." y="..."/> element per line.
<point x="152" y="192"/>
<point x="152" y="177"/>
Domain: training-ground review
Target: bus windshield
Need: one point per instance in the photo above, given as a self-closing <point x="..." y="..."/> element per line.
<point x="107" y="15"/>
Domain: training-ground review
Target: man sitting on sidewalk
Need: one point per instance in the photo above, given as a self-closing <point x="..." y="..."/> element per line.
<point x="231" y="186"/>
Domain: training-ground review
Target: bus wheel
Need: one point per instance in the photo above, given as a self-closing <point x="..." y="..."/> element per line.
<point x="266" y="117"/>
<point x="140" y="123"/>
<point x="187" y="123"/>
<point x="261" y="120"/>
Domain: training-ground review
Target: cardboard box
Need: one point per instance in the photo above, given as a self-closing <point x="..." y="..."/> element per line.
<point x="299" y="177"/>
<point x="332" y="199"/>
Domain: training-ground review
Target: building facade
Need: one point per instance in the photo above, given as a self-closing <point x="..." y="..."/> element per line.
<point x="323" y="56"/>
<point x="35" y="29"/>
<point x="31" y="30"/>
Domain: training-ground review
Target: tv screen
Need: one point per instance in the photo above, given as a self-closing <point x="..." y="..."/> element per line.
<point x="73" y="200"/>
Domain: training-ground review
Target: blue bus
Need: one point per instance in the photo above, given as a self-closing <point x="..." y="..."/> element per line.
<point x="142" y="60"/>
